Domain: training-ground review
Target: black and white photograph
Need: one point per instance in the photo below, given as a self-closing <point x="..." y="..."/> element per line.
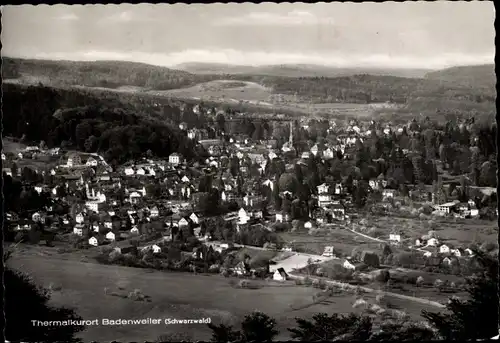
<point x="250" y="172"/>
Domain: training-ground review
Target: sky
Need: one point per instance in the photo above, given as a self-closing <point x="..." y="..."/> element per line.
<point x="398" y="35"/>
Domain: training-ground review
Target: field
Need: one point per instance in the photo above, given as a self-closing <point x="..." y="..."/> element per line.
<point x="173" y="295"/>
<point x="41" y="162"/>
<point x="343" y="241"/>
<point x="457" y="232"/>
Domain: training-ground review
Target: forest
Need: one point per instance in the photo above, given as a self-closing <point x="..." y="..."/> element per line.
<point x="119" y="129"/>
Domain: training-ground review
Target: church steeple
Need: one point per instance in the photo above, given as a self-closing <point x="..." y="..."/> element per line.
<point x="290" y="139"/>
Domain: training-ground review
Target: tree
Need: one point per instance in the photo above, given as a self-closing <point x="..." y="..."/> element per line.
<point x="22" y="293"/>
<point x="326" y="327"/>
<point x="256" y="327"/>
<point x="477" y="317"/>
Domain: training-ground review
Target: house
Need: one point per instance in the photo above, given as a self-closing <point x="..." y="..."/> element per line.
<point x="20" y="156"/>
<point x="154" y="212"/>
<point x="79" y="218"/>
<point x="36" y="217"/>
<point x="444" y="249"/>
<point x="323" y="188"/>
<point x="308" y="225"/>
<point x="243" y="216"/>
<point x="280" y="275"/>
<point x="338" y="211"/>
<point x="328" y="154"/>
<point x="134" y="197"/>
<point x="394" y="238"/>
<point x="456" y="252"/>
<point x="129" y="171"/>
<point x="328" y="252"/>
<point x="140" y="171"/>
<point x="111" y="236"/>
<point x="305" y="155"/>
<point x="134" y="230"/>
<point x="315" y="149"/>
<point x="74" y="160"/>
<point x="194" y="218"/>
<point x="183" y="222"/>
<point x="388" y="194"/>
<point x="96" y="241"/>
<point x="427" y="254"/>
<point x="154" y="248"/>
<point x="78" y="229"/>
<point x="175" y="158"/>
<point x="183" y="126"/>
<point x="348" y="265"/>
<point x="91" y="162"/>
<point x="446" y="261"/>
<point x="446" y="208"/>
<point x="92" y="205"/>
<point x="282" y="217"/>
<point x="7" y="171"/>
<point x="432" y="242"/>
<point x="418" y="243"/>
<point x="339" y="189"/>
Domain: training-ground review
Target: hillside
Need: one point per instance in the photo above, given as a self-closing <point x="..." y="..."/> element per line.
<point x="295" y="70"/>
<point x="472" y="76"/>
<point x="110" y="74"/>
<point x="119" y="126"/>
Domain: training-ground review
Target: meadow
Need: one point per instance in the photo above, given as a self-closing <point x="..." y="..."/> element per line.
<point x="87" y="287"/>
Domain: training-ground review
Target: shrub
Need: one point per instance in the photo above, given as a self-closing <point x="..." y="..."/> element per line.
<point x="299" y="282"/>
<point x="243" y="284"/>
<point x="380" y="298"/>
<point x="315" y="283"/>
<point x="307" y="281"/>
<point x="360" y="303"/>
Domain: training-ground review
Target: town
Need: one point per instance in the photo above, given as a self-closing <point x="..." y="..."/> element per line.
<point x="257" y="193"/>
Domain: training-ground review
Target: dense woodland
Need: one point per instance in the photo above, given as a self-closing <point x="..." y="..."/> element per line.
<point x="121" y="130"/>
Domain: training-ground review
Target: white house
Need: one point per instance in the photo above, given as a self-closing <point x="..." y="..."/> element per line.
<point x="388" y="194"/>
<point x="91" y="162"/>
<point x="111" y="236"/>
<point x="36" y="217"/>
<point x="194" y="218"/>
<point x="315" y="149"/>
<point x="185" y="179"/>
<point x="447" y="261"/>
<point x="444" y="249"/>
<point x="134" y="197"/>
<point x="108" y="224"/>
<point x="92" y="205"/>
<point x="418" y="243"/>
<point x="432" y="242"/>
<point x="20" y="156"/>
<point x="427" y="254"/>
<point x="183" y="222"/>
<point x="140" y="171"/>
<point x="323" y="188"/>
<point x="154" y="212"/>
<point x="394" y="238"/>
<point x="456" y="252"/>
<point x="328" y="154"/>
<point x="469" y="252"/>
<point x="279" y="217"/>
<point x="78" y="230"/>
<point x="79" y="218"/>
<point x="348" y="265"/>
<point x="74" y="160"/>
<point x="279" y="275"/>
<point x="174" y="158"/>
<point x="446" y="208"/>
<point x="129" y="171"/>
<point x="305" y="155"/>
<point x="93" y="241"/>
<point x="243" y="216"/>
<point x="328" y="252"/>
<point x="134" y="230"/>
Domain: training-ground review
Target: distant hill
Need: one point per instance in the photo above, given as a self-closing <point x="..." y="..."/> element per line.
<point x="296" y="70"/>
<point x="471" y="76"/>
<point x="110" y="74"/>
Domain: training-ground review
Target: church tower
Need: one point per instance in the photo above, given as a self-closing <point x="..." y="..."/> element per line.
<point x="290" y="139"/>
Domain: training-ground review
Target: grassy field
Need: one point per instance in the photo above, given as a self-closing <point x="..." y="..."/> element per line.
<point x="342" y="241"/>
<point x="173" y="295"/>
<point x="41" y="162"/>
<point x="457" y="232"/>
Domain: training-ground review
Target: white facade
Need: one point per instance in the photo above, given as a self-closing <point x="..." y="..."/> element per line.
<point x="79" y="218"/>
<point x="93" y="241"/>
<point x="278" y="277"/>
<point x="129" y="171"/>
<point x="91" y="162"/>
<point x="348" y="265"/>
<point x="174" y="158"/>
<point x="111" y="236"/>
<point x="444" y="249"/>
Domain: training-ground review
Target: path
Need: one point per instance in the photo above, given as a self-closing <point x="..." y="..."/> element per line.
<point x="371" y="290"/>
